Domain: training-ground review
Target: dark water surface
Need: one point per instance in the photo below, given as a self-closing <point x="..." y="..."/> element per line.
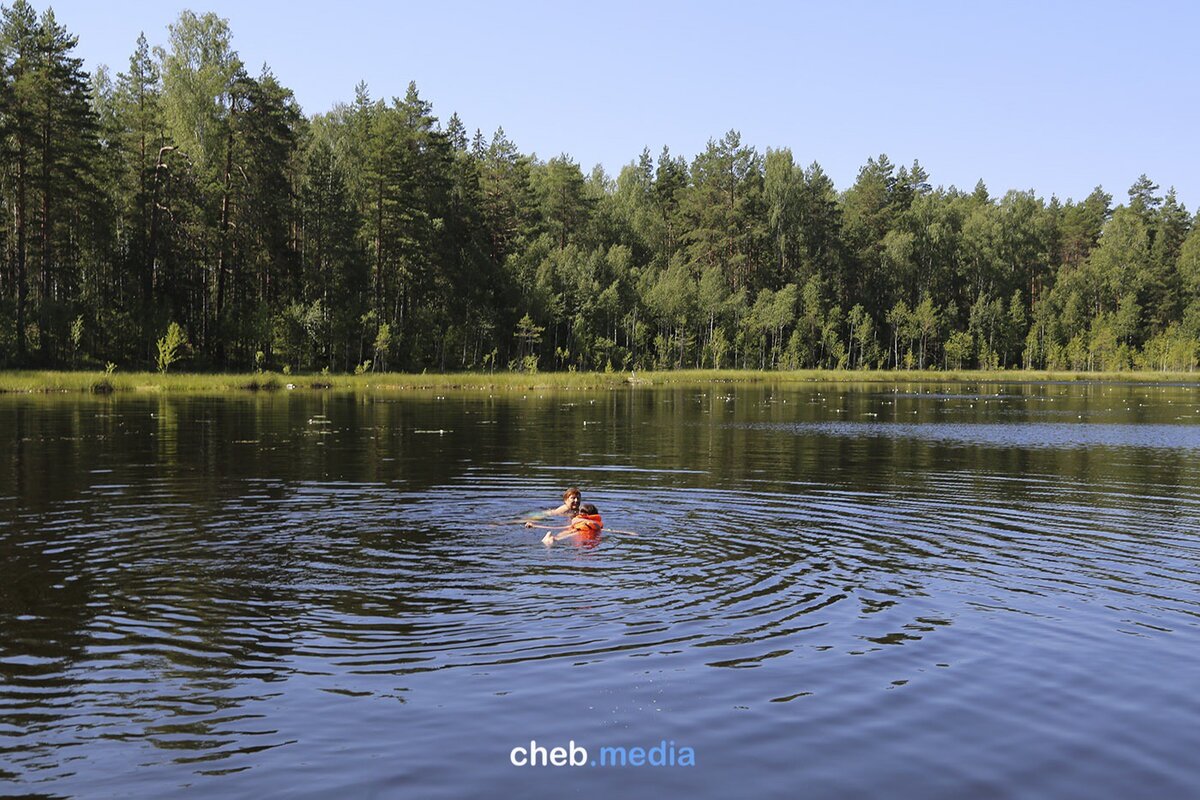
<point x="838" y="591"/>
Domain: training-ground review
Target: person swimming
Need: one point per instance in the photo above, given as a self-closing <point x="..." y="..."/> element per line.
<point x="569" y="507"/>
<point x="586" y="524"/>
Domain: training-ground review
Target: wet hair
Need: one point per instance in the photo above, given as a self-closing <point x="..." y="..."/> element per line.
<point x="574" y="490"/>
<point x="588" y="508"/>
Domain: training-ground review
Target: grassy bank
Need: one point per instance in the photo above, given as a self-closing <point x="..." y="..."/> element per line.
<point x="98" y="382"/>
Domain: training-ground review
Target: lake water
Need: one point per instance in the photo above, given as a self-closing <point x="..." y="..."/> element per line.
<point x="837" y="591"/>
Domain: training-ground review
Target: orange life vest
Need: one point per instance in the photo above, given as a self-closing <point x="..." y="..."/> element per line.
<point x="587" y="523"/>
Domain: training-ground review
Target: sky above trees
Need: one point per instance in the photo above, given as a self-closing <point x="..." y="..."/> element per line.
<point x="1052" y="96"/>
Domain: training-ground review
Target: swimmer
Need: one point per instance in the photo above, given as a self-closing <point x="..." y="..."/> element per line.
<point x="587" y="523"/>
<point x="569" y="507"/>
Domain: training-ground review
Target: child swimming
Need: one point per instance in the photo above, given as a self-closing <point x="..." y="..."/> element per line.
<point x="587" y="524"/>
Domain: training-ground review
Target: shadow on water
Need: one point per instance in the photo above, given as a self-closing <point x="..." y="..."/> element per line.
<point x="940" y="590"/>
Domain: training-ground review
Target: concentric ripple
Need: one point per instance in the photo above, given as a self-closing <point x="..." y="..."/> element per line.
<point x="226" y="595"/>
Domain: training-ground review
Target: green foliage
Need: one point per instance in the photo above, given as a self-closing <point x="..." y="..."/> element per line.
<point x="718" y="348"/>
<point x="76" y="336"/>
<point x="958" y="349"/>
<point x="925" y="318"/>
<point x="383" y="343"/>
<point x="529" y="336"/>
<point x="170" y="347"/>
<point x="1171" y="350"/>
<point x="376" y="236"/>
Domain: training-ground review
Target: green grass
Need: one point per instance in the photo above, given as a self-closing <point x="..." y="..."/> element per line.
<point x="82" y="382"/>
<point x="95" y="381"/>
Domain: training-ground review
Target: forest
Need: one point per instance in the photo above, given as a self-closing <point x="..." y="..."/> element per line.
<point x="184" y="211"/>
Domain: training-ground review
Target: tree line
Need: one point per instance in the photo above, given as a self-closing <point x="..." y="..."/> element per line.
<point x="185" y="194"/>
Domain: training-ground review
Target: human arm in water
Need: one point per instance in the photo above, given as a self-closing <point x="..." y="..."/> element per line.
<point x="557" y="532"/>
<point x="562" y="533"/>
<point x="562" y="511"/>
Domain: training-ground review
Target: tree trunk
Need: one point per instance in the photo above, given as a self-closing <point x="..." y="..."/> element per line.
<point x="46" y="283"/>
<point x="223" y="252"/>
<point x="22" y="280"/>
<point x="147" y="276"/>
<point x="152" y="251"/>
<point x="379" y="248"/>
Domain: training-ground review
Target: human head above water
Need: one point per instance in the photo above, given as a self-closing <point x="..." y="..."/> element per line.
<point x="589" y="509"/>
<point x="571" y="497"/>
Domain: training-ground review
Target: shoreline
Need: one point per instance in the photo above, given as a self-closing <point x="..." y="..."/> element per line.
<point x="98" y="382"/>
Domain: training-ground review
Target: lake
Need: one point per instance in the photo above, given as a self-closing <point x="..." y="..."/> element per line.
<point x="858" y="590"/>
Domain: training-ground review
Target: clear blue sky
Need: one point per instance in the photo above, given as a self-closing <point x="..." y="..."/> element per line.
<point x="1053" y="96"/>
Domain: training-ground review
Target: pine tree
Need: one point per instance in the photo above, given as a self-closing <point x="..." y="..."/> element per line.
<point x="19" y="37"/>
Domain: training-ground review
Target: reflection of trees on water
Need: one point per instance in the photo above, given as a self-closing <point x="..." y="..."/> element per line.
<point x="206" y="535"/>
<point x="200" y="549"/>
<point x="46" y="595"/>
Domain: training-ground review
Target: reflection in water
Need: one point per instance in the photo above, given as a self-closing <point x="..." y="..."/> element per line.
<point x="308" y="592"/>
